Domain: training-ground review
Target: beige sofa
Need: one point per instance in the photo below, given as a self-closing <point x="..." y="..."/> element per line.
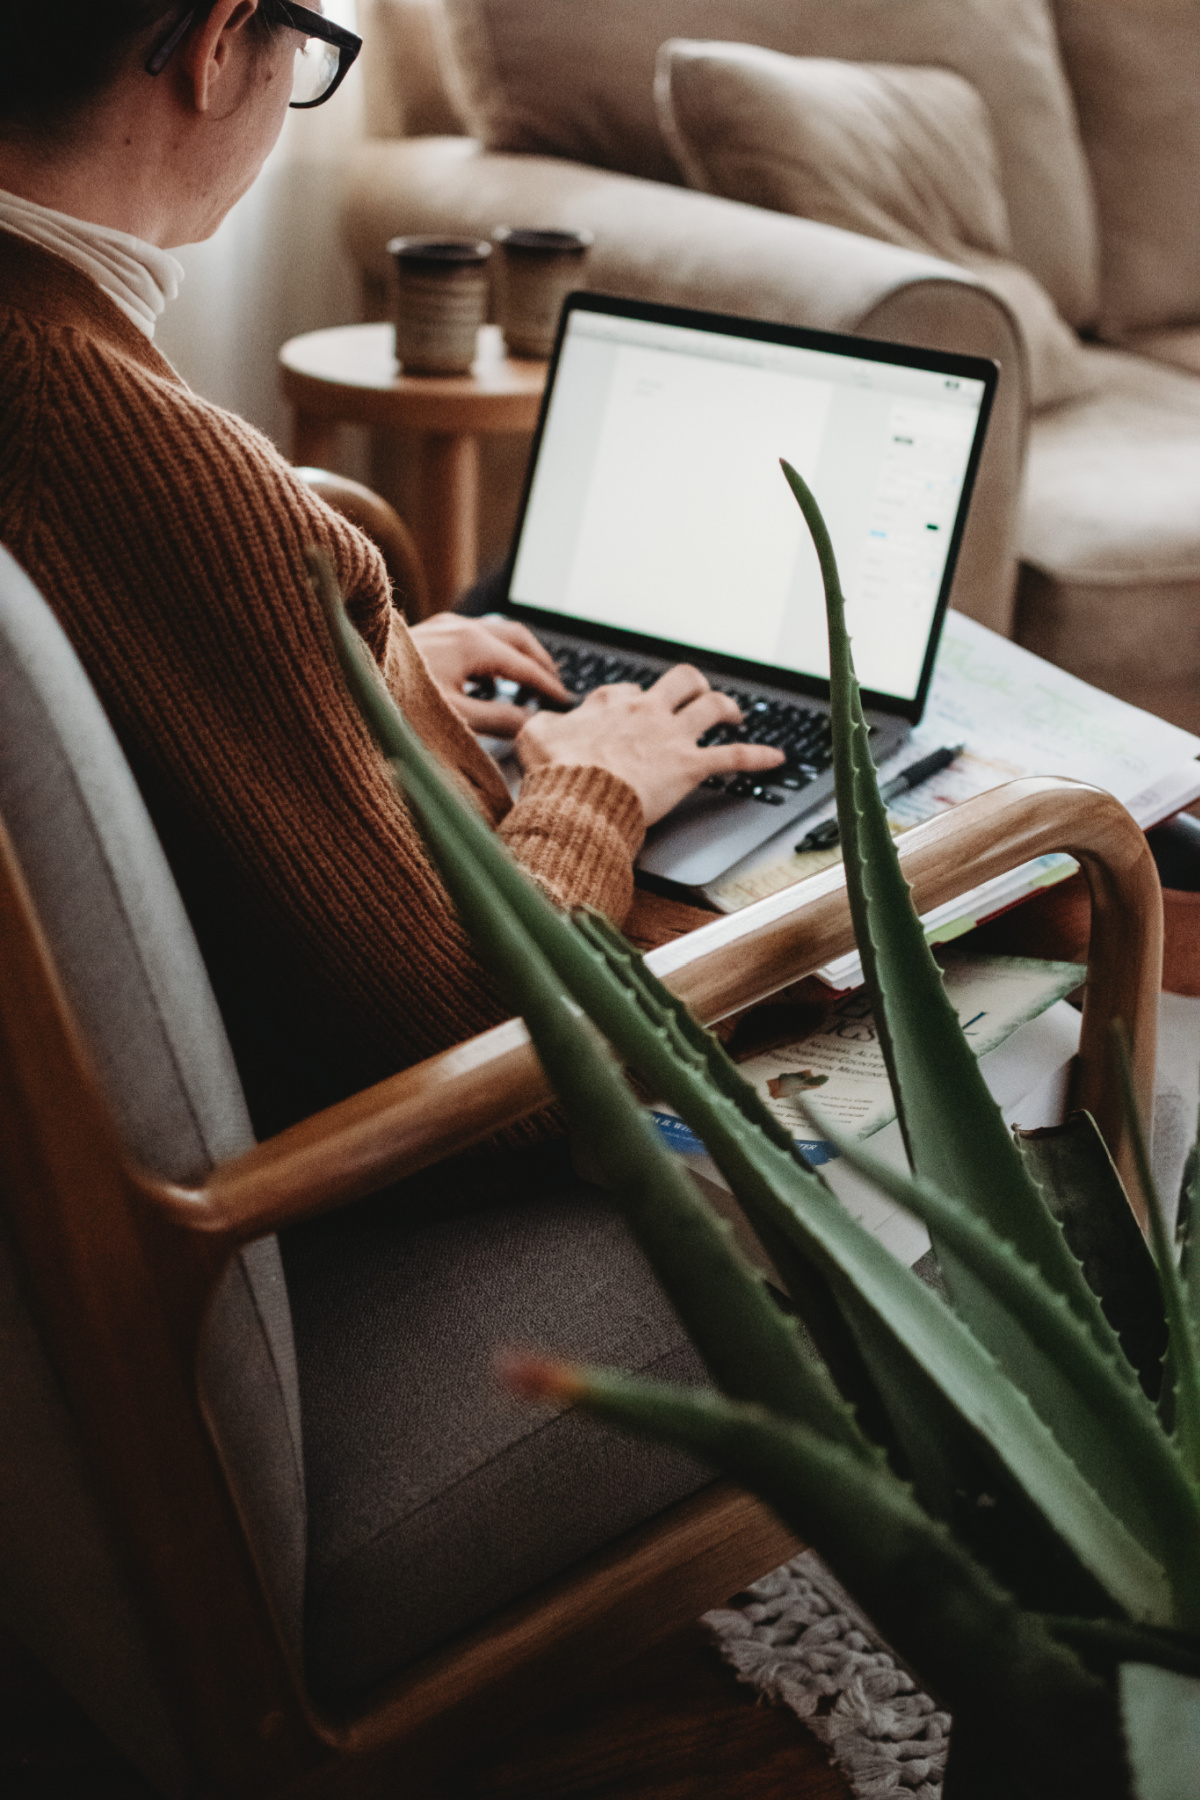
<point x="1084" y="540"/>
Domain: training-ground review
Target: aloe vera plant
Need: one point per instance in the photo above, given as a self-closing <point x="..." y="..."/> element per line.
<point x="1008" y="1481"/>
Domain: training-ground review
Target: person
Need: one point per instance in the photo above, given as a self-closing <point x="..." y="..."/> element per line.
<point x="169" y="539"/>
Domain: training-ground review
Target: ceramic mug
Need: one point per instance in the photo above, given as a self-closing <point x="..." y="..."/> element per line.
<point x="535" y="273"/>
<point x="440" y="301"/>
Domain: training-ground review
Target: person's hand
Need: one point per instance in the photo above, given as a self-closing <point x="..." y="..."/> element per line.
<point x="457" y="650"/>
<point x="648" y="739"/>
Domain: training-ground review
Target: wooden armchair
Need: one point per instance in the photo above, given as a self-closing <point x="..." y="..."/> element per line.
<point x="132" y="1304"/>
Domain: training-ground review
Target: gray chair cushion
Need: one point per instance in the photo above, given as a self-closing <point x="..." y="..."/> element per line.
<point x="130" y="967"/>
<point x="434" y="1497"/>
<point x="108" y="903"/>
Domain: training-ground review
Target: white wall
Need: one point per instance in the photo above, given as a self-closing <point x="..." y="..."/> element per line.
<point x="275" y="267"/>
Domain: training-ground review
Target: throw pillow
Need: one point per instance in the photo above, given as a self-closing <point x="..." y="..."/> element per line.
<point x="574" y="78"/>
<point x="903" y="154"/>
<point x="404" y="81"/>
<point x="1135" y="69"/>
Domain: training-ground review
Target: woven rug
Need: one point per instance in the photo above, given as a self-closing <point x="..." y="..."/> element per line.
<point x="798" y="1638"/>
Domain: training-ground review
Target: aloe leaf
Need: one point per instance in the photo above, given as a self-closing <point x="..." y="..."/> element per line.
<point x="751" y="1348"/>
<point x="1104" y="1643"/>
<point x="952" y="1126"/>
<point x="749" y="1345"/>
<point x="481" y="875"/>
<point x="1188" y="1228"/>
<point x="1160" y="1711"/>
<point x="932" y="1447"/>
<point x="824" y="1313"/>
<point x="1183" y="1336"/>
<point x="1189" y="1274"/>
<point x="937" y="1452"/>
<point x="959" y="1480"/>
<point x="966" y="1373"/>
<point x="1089" y="1399"/>
<point x="1081" y="1186"/>
<point x="968" y="1639"/>
<point x="898" y="1404"/>
<point x="772" y="1186"/>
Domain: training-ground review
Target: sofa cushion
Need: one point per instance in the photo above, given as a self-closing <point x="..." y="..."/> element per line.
<point x="895" y="152"/>
<point x="1135" y="70"/>
<point x="435" y="1497"/>
<point x="903" y="154"/>
<point x="1111" y="536"/>
<point x="405" y="91"/>
<point x="573" y="80"/>
<point x="1179" y="346"/>
<point x="1112" y="487"/>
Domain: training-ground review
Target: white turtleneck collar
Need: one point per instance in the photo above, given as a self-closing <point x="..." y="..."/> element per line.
<point x="138" y="276"/>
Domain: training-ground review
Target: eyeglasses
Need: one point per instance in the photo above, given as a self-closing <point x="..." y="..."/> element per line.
<point x="322" y="61"/>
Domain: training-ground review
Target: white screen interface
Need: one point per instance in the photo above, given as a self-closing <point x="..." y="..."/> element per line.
<point x="658" y="505"/>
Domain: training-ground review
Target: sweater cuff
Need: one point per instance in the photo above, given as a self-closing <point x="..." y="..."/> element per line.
<point x="577" y="831"/>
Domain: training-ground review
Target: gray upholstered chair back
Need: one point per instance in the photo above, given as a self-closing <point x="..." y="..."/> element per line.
<point x="135" y="980"/>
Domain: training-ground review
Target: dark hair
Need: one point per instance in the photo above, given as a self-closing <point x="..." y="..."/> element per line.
<point x="62" y="53"/>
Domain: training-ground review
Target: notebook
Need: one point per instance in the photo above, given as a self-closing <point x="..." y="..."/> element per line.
<point x="656" y="527"/>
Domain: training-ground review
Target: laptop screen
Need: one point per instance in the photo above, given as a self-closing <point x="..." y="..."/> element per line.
<point x="656" y="504"/>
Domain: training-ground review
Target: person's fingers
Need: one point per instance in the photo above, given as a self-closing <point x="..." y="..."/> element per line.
<point x="457" y="649"/>
<point x="706" y="710"/>
<point x="494" y="656"/>
<point x="521" y="638"/>
<point x="495" y="717"/>
<point x="728" y="759"/>
<point x="612" y="692"/>
<point x="678" y="686"/>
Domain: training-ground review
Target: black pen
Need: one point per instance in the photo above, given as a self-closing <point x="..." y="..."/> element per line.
<point x="824" y="837"/>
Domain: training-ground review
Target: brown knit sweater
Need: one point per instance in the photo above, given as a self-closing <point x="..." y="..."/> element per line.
<point x="168" y="537"/>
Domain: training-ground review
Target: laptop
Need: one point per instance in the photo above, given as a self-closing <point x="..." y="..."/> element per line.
<point x="656" y="527"/>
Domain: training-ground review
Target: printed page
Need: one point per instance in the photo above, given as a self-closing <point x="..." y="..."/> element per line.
<point x="1011" y="1012"/>
<point x="838" y="1063"/>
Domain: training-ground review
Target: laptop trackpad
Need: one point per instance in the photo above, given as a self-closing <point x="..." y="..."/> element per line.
<point x="706" y="833"/>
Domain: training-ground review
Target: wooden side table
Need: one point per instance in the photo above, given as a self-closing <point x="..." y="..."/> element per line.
<point x="348" y="375"/>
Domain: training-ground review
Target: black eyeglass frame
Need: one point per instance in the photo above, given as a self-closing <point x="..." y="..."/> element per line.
<point x="298" y="18"/>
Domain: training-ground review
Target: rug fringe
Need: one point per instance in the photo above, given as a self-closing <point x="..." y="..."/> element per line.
<point x="798" y="1638"/>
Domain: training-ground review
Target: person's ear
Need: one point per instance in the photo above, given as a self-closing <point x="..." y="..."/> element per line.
<point x="214" y="48"/>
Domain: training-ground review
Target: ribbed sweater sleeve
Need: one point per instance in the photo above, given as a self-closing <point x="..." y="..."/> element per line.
<point x="578" y="831"/>
<point x="169" y="539"/>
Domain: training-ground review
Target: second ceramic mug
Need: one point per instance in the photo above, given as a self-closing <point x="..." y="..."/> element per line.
<point x="535" y="273"/>
<point x="441" y="300"/>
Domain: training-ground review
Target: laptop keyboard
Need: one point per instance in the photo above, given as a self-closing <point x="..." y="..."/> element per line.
<point x="801" y="732"/>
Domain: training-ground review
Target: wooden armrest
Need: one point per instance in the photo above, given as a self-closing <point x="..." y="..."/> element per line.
<point x="466" y="1094"/>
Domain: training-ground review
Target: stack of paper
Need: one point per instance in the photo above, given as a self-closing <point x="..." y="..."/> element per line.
<point x="1016" y="715"/>
<point x="1012" y="1013"/>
